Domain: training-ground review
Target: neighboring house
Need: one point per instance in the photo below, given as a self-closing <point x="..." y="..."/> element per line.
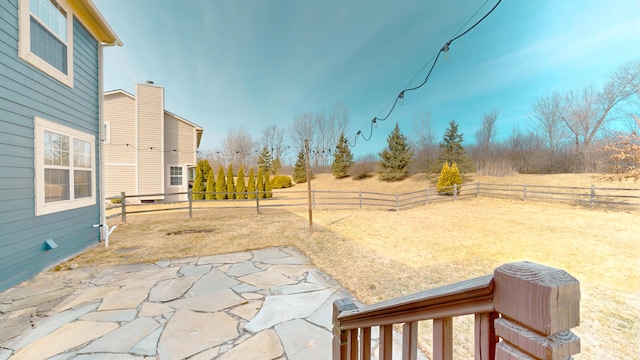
<point x="50" y="97"/>
<point x="148" y="150"/>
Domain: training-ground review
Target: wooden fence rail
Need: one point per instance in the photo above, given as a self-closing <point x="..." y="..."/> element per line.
<point x="522" y="311"/>
<point x="323" y="199"/>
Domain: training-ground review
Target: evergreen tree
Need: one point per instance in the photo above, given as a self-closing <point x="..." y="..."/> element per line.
<point x="451" y="150"/>
<point x="211" y="187"/>
<point x="198" y="185"/>
<point x="260" y="184"/>
<point x="251" y="185"/>
<point x="276" y="166"/>
<point x="221" y="185"/>
<point x="300" y="169"/>
<point x="204" y="167"/>
<point x="240" y="188"/>
<point x="396" y="158"/>
<point x="231" y="187"/>
<point x="268" y="189"/>
<point x="342" y="158"/>
<point x="448" y="177"/>
<point x="265" y="160"/>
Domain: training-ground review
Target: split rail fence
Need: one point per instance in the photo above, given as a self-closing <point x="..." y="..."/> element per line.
<point x="324" y="199"/>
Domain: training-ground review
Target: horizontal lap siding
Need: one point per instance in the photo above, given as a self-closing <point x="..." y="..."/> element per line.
<point x="150" y="109"/>
<point x="180" y="149"/>
<point x="119" y="111"/>
<point x="26" y="92"/>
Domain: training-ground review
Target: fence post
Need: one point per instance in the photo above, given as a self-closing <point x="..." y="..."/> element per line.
<point x="477" y="189"/>
<point x="313" y="198"/>
<point x="189" y="196"/>
<point x="123" y="202"/>
<point x="524" y="196"/>
<point x="360" y="197"/>
<point x="397" y="202"/>
<point x="593" y="195"/>
<point x="344" y="347"/>
<point x="257" y="203"/>
<point x="455" y="191"/>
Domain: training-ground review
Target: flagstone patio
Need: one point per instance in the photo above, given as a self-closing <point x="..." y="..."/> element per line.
<point x="263" y="304"/>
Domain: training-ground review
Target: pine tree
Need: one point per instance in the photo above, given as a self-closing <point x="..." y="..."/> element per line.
<point x="260" y="184"/>
<point x="396" y="158"/>
<point x="221" y="185"/>
<point x="276" y="166"/>
<point x="251" y="186"/>
<point x="265" y="160"/>
<point x="240" y="188"/>
<point x="342" y="158"/>
<point x="268" y="189"/>
<point x="231" y="187"/>
<point x="300" y="169"/>
<point x="451" y="150"/>
<point x="211" y="187"/>
<point x="198" y="185"/>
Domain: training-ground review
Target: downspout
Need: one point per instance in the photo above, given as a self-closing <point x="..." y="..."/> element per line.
<point x="105" y="231"/>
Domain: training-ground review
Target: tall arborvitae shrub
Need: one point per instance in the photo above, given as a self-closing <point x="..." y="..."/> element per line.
<point x="240" y="188"/>
<point x="251" y="185"/>
<point x="300" y="169"/>
<point x="267" y="186"/>
<point x="231" y="186"/>
<point x="211" y="187"/>
<point x="260" y="184"/>
<point x="342" y="159"/>
<point x="198" y="185"/>
<point x="449" y="175"/>
<point x="221" y="185"/>
<point x="396" y="158"/>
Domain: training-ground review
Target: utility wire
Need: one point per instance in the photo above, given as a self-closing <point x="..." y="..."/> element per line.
<point x="400" y="97"/>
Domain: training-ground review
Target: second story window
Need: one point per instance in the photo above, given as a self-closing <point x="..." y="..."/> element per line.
<point x="46" y="38"/>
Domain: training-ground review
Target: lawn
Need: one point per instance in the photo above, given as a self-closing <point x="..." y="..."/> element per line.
<point x="379" y="254"/>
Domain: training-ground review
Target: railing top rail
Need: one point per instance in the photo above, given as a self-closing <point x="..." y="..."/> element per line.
<point x="448" y="295"/>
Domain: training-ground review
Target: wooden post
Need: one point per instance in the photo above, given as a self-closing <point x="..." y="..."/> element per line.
<point x="365" y="343"/>
<point x="123" y="206"/>
<point x="539" y="306"/>
<point x="360" y="197"/>
<point x="485" y="336"/>
<point x="313" y="198"/>
<point x="455" y="191"/>
<point x="340" y="346"/>
<point x="397" y="202"/>
<point x="426" y="196"/>
<point x="385" y="343"/>
<point x="189" y="196"/>
<point x="477" y="189"/>
<point x="443" y="339"/>
<point x="410" y="341"/>
<point x="524" y="196"/>
<point x="306" y="150"/>
<point x="593" y="195"/>
<point x="257" y="202"/>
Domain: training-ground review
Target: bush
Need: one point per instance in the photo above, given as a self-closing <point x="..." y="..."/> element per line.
<point x="211" y="187"/>
<point x="221" y="185"/>
<point x="448" y="177"/>
<point x="281" y="182"/>
<point x="267" y="186"/>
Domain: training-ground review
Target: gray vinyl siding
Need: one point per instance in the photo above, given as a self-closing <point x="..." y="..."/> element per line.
<point x="26" y="92"/>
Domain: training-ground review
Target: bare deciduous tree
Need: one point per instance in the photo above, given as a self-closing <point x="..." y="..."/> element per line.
<point x="588" y="111"/>
<point x="272" y="138"/>
<point x="485" y="137"/>
<point x="424" y="143"/>
<point x="625" y="156"/>
<point x="546" y="120"/>
<point x="238" y="149"/>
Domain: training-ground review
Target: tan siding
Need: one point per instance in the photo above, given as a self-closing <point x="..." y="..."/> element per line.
<point x="150" y="139"/>
<point x="180" y="150"/>
<point x="119" y="110"/>
<point x="119" y="179"/>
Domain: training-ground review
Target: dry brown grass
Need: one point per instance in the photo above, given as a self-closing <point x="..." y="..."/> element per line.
<point x="383" y="254"/>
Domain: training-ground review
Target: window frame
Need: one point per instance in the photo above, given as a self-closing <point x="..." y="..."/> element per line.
<point x="182" y="173"/>
<point x="24" y="42"/>
<point x="42" y="207"/>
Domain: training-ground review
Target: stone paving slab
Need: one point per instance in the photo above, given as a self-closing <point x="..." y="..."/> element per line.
<point x="269" y="304"/>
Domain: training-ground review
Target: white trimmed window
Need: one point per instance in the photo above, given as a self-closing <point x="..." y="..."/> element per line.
<point x="175" y="175"/>
<point x="64" y="168"/>
<point x="46" y="37"/>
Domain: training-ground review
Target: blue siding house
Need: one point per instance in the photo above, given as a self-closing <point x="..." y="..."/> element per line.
<point x="50" y="127"/>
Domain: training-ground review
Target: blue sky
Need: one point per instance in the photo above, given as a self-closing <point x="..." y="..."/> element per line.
<point x="256" y="63"/>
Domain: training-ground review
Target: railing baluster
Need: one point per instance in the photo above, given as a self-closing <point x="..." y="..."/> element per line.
<point x="485" y="336"/>
<point x="365" y="343"/>
<point x="410" y="341"/>
<point x="443" y="339"/>
<point x="352" y="344"/>
<point x="385" y="343"/>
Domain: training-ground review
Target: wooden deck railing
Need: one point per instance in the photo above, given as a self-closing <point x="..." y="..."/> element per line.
<point x="522" y="311"/>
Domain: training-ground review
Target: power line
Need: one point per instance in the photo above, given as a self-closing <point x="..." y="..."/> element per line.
<point x="400" y="98"/>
